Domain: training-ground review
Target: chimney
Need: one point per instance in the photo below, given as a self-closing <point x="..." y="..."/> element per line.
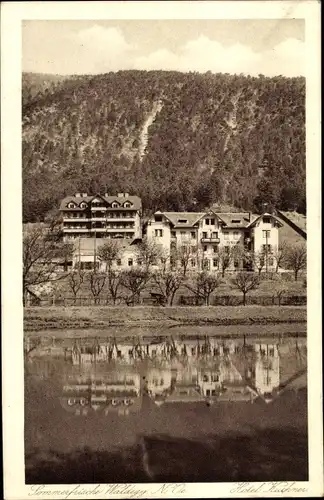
<point x="120" y="195"/>
<point x="84" y="195"/>
<point x="126" y="195"/>
<point x="106" y="195"/>
<point x="78" y="195"/>
<point x="250" y="216"/>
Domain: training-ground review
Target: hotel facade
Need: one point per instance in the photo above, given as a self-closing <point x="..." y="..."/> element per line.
<point x="199" y="237"/>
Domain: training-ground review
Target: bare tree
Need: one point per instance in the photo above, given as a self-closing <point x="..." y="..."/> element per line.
<point x="135" y="280"/>
<point x="148" y="253"/>
<point x="109" y="252"/>
<point x="114" y="283"/>
<point x="43" y="252"/>
<point x="296" y="258"/>
<point x="168" y="283"/>
<point x="245" y="282"/>
<point x="258" y="261"/>
<point x="279" y="254"/>
<point x="184" y="254"/>
<point x="224" y="258"/>
<point x="280" y="290"/>
<point x="203" y="285"/>
<point x="75" y="280"/>
<point x="97" y="282"/>
<point x="227" y="254"/>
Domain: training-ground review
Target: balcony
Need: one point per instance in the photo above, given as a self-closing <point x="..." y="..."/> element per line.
<point x="75" y="219"/>
<point x="119" y="217"/>
<point x="210" y="240"/>
<point x="113" y="229"/>
<point x="98" y="218"/>
<point x="76" y="229"/>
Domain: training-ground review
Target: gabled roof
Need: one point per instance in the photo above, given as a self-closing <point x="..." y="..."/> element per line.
<point x="262" y="215"/>
<point x="233" y="220"/>
<point x="236" y="392"/>
<point x="176" y="396"/>
<point x="176" y="217"/>
<point x="230" y="220"/>
<point x="134" y="200"/>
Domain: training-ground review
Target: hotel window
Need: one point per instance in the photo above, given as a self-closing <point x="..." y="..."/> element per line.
<point x="193" y="235"/>
<point x="193" y="263"/>
<point x="159" y="233"/>
<point x="226" y="236"/>
<point x="119" y="262"/>
<point x="204" y="235"/>
<point x="114" y="205"/>
<point x="214" y="234"/>
<point x="215" y="262"/>
<point x="130" y="262"/>
<point x="270" y="261"/>
<point x="205" y="248"/>
<point x="212" y="222"/>
<point x="173" y="234"/>
<point x="207" y="222"/>
<point x="266" y="220"/>
<point x="215" y="249"/>
<point x="266" y="247"/>
<point x="183" y="233"/>
<point x="266" y="234"/>
<point x="236" y="235"/>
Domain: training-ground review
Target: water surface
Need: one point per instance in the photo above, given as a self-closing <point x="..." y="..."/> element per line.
<point x="168" y="405"/>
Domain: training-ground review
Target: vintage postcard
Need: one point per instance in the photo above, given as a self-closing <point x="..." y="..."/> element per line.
<point x="161" y="249"/>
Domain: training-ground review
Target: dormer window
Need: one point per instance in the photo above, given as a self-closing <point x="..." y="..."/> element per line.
<point x="127" y="204"/>
<point x="83" y="205"/>
<point x="71" y="205"/>
<point x="182" y="221"/>
<point x="115" y="204"/>
<point x="236" y="221"/>
<point x="266" y="220"/>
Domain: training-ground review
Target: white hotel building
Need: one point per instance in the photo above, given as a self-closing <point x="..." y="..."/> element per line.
<point x="205" y="233"/>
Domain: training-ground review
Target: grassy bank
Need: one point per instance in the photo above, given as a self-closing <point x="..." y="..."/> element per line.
<point x="43" y="318"/>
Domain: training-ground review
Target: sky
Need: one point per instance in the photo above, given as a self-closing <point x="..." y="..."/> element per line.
<point x="269" y="47"/>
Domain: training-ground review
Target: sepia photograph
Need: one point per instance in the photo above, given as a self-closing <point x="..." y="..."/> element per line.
<point x="164" y="263"/>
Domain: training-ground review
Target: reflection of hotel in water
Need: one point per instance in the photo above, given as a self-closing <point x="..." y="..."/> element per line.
<point x="112" y="376"/>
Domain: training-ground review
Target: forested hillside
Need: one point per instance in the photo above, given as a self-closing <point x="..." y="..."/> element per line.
<point x="181" y="141"/>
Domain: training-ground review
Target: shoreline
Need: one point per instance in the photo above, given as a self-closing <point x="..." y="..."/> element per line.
<point x="99" y="318"/>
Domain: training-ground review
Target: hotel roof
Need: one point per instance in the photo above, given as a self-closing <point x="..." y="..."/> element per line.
<point x="107" y="201"/>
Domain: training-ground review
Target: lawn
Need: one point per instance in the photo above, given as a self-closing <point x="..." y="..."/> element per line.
<point x="42" y="318"/>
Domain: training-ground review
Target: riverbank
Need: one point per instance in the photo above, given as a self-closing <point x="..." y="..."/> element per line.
<point x="51" y="318"/>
